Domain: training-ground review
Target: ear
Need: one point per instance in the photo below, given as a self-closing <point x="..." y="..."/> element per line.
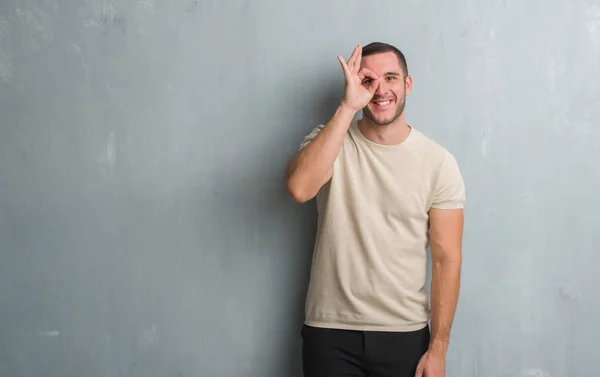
<point x="408" y="84"/>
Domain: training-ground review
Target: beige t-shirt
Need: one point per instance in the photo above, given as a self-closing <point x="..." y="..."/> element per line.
<point x="369" y="262"/>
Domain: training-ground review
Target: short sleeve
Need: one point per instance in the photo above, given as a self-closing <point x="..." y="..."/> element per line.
<point x="308" y="138"/>
<point x="449" y="191"/>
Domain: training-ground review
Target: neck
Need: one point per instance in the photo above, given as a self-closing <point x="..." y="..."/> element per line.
<point x="391" y="134"/>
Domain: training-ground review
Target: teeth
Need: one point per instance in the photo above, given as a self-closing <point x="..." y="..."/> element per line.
<point x="383" y="103"/>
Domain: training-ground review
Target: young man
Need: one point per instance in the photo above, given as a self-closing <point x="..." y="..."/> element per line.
<point x="385" y="192"/>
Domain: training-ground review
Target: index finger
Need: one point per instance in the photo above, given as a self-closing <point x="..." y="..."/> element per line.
<point x="352" y="60"/>
<point x="364" y="73"/>
<point x="344" y="66"/>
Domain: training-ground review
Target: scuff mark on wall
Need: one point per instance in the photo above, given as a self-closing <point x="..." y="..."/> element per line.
<point x="103" y="16"/>
<point x="192" y="8"/>
<point x="36" y="20"/>
<point x="147" y="5"/>
<point x="485" y="139"/>
<point x="109" y="156"/>
<point x="593" y="25"/>
<point x="52" y="334"/>
<point x="534" y="372"/>
<point x="149" y="336"/>
<point x="6" y="61"/>
<point x="84" y="66"/>
<point x="39" y="18"/>
<point x="593" y="28"/>
<point x="567" y="295"/>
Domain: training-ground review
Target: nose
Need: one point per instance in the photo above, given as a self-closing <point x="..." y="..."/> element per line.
<point x="382" y="88"/>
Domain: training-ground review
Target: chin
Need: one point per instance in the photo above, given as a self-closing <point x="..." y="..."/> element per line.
<point x="381" y="119"/>
<point x="384" y="122"/>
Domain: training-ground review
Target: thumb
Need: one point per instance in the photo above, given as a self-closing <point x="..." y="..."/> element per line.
<point x="420" y="369"/>
<point x="419" y="372"/>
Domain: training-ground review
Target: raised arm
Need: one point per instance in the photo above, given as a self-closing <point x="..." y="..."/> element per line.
<point x="312" y="166"/>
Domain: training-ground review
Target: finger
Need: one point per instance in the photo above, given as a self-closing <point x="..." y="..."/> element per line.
<point x="358" y="58"/>
<point x="374" y="85"/>
<point x="364" y="73"/>
<point x="344" y="66"/>
<point x="420" y="368"/>
<point x="353" y="58"/>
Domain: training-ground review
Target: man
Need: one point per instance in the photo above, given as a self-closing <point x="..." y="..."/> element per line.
<point x="385" y="193"/>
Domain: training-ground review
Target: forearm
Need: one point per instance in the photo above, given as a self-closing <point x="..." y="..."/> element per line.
<point x="313" y="165"/>
<point x="445" y="286"/>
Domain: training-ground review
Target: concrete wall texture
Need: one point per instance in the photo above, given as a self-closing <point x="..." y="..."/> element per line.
<point x="144" y="227"/>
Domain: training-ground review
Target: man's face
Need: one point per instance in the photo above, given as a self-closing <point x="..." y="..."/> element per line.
<point x="389" y="100"/>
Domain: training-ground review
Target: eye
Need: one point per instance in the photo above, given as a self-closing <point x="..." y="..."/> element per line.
<point x="366" y="81"/>
<point x="390" y="78"/>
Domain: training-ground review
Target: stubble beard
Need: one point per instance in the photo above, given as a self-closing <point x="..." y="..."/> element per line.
<point x="386" y="122"/>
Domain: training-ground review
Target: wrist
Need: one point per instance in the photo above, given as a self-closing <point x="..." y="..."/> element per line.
<point x="438" y="346"/>
<point x="344" y="114"/>
<point x="347" y="108"/>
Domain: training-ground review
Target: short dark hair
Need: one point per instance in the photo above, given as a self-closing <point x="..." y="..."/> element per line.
<point x="380" y="47"/>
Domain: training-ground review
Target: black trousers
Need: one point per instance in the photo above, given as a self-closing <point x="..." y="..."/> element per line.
<point x="346" y="353"/>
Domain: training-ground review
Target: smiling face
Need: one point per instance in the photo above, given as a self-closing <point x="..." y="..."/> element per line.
<point x="389" y="100"/>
